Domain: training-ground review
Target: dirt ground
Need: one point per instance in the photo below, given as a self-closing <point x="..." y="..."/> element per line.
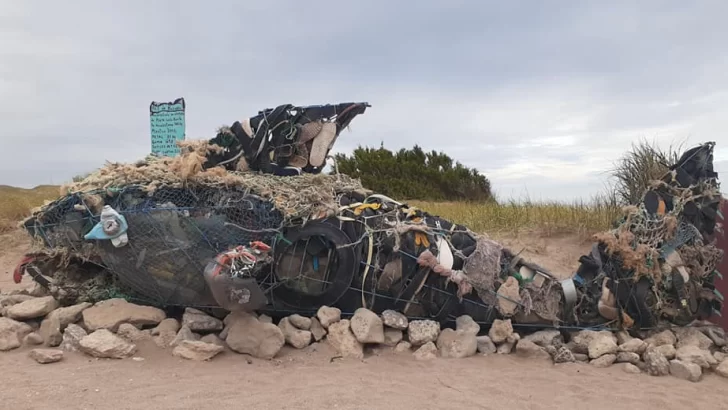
<point x="314" y="379"/>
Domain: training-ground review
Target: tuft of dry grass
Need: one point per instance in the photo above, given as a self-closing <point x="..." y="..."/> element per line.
<point x="16" y="203"/>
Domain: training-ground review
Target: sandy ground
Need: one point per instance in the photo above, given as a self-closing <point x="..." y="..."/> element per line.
<point x="315" y="379"/>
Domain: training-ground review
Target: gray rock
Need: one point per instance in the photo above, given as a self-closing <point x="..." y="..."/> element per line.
<point x="633" y="346"/>
<point x="581" y="357"/>
<point x="564" y="355"/>
<point x="395" y="319"/>
<point x="722" y="369"/>
<point x="601" y="345"/>
<point x="367" y="326"/>
<point x="467" y="324"/>
<point x="545" y="338"/>
<point x="530" y="350"/>
<point x="111" y="313"/>
<point x="631" y="369"/>
<point x="667" y="350"/>
<point x="32" y="308"/>
<point x="685" y="371"/>
<point x="106" y="345"/>
<point x="509" y="296"/>
<point x="628" y="357"/>
<point x="513" y="338"/>
<point x="265" y="319"/>
<point x="33" y="339"/>
<point x="198" y="321"/>
<point x="317" y="331"/>
<point x="131" y="333"/>
<point x="300" y="322"/>
<point x="420" y="332"/>
<point x="500" y="330"/>
<point x="196" y="350"/>
<point x="692" y="336"/>
<point x="213" y="339"/>
<point x="166" y="332"/>
<point x="428" y="351"/>
<point x="249" y="336"/>
<point x="343" y="340"/>
<point x="580" y="340"/>
<point x="623" y="337"/>
<point x="693" y="354"/>
<point x="716" y="334"/>
<point x="505" y="348"/>
<point x="11" y="333"/>
<point x="45" y="356"/>
<point x="485" y="345"/>
<point x="655" y="363"/>
<point x="50" y="330"/>
<point x="328" y="316"/>
<point x="666" y="337"/>
<point x="184" y="334"/>
<point x="392" y="337"/>
<point x="294" y="336"/>
<point x="719" y="356"/>
<point x="9" y="300"/>
<point x="70" y="314"/>
<point x="72" y="337"/>
<point x="457" y="344"/>
<point x="403" y="347"/>
<point x="603" y="361"/>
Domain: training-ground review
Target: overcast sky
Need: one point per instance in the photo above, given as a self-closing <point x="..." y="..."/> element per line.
<point x="541" y="97"/>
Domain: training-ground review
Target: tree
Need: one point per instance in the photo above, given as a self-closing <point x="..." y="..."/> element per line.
<point x="414" y="174"/>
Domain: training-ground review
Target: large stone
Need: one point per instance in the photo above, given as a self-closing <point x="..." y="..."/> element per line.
<point x="328" y="316"/>
<point x="530" y="350"/>
<point x="666" y="337"/>
<point x="631" y="369"/>
<point x="45" y="356"/>
<point x="249" y="336"/>
<point x="623" y="337"/>
<point x="33" y="339"/>
<point x="367" y="326"/>
<point x="342" y="339"/>
<point x="32" y="308"/>
<point x="685" y="370"/>
<point x="467" y="324"/>
<point x="301" y="322"/>
<point x="9" y="300"/>
<point x="691" y="336"/>
<point x="545" y="338"/>
<point x="72" y="338"/>
<point x="106" y="345"/>
<point x="427" y="351"/>
<point x="392" y="336"/>
<point x="485" y="345"/>
<point x="655" y="363"/>
<point x="131" y="333"/>
<point x="457" y="344"/>
<point x="633" y="346"/>
<point x="564" y="355"/>
<point x="580" y="340"/>
<point x="601" y="345"/>
<point x="165" y="332"/>
<point x="580" y="357"/>
<point x="185" y="333"/>
<point x="199" y="321"/>
<point x="12" y="333"/>
<point x="50" y="330"/>
<point x="294" y="336"/>
<point x="505" y="347"/>
<point x="403" y="347"/>
<point x="500" y="330"/>
<point x="628" y="357"/>
<point x="214" y="339"/>
<point x="70" y="314"/>
<point x="111" y="313"/>
<point x="509" y="297"/>
<point x="317" y="331"/>
<point x="395" y="319"/>
<point x="196" y="350"/>
<point x="722" y="369"/>
<point x="716" y="334"/>
<point x="603" y="361"/>
<point x="693" y="354"/>
<point x="667" y="350"/>
<point x="420" y="332"/>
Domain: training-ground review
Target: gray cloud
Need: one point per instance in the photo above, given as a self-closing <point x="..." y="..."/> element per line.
<point x="540" y="96"/>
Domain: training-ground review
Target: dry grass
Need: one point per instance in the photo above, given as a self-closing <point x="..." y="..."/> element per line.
<point x="16" y="203"/>
<point x="509" y="218"/>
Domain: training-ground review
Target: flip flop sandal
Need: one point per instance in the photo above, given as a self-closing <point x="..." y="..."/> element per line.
<point x="322" y="144"/>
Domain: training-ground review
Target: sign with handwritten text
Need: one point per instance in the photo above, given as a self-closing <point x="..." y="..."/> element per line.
<point x="168" y="126"/>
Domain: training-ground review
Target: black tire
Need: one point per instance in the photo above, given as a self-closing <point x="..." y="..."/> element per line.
<point x="346" y="267"/>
